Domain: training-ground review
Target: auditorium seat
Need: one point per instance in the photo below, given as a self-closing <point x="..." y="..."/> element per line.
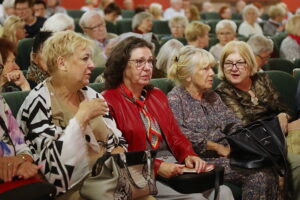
<point x="23" y="53"/>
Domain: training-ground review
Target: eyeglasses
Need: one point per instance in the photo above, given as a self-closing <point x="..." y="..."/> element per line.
<point x="239" y="65"/>
<point x="225" y="33"/>
<point x="96" y="26"/>
<point x="141" y="63"/>
<point x="264" y="58"/>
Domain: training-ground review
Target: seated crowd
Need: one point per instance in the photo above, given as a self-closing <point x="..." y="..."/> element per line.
<point x="63" y="126"/>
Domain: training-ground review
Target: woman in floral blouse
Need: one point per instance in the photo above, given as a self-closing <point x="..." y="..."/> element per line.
<point x="205" y="120"/>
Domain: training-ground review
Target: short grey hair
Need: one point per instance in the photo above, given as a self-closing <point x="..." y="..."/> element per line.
<point x="139" y="17"/>
<point x="178" y="20"/>
<point x="166" y="54"/>
<point x="248" y="8"/>
<point x="58" y="22"/>
<point x="260" y="44"/>
<point x="226" y="23"/>
<point x="86" y="16"/>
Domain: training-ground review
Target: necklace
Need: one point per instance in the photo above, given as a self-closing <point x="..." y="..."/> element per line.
<point x="254" y="99"/>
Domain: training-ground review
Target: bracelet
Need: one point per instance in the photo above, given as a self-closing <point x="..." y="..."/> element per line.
<point x="21" y="156"/>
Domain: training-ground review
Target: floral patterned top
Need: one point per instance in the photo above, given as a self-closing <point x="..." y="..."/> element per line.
<point x="11" y="143"/>
<point x="240" y="101"/>
<point x="203" y="120"/>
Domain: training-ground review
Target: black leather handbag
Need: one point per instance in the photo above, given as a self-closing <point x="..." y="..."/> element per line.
<point x="188" y="183"/>
<point x="259" y="144"/>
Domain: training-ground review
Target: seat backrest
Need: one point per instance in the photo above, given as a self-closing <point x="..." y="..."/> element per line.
<point x="75" y="13"/>
<point x="123" y="26"/>
<point x="23" y="54"/>
<point x="277" y="39"/>
<point x="281" y="65"/>
<point x="297" y="63"/>
<point x="15" y="100"/>
<point x="164" y="40"/>
<point x="286" y="85"/>
<point x="212" y="24"/>
<point x="296" y="74"/>
<point x="78" y="29"/>
<point x="127" y="14"/>
<point x="111" y="27"/>
<point x="210" y="15"/>
<point x="161" y="27"/>
<point x="95" y="73"/>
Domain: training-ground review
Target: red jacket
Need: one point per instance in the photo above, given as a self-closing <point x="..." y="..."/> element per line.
<point x="130" y="123"/>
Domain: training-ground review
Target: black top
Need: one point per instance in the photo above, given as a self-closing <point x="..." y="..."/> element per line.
<point x="33" y="29"/>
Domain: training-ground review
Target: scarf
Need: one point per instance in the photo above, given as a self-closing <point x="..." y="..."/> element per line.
<point x="295" y="37"/>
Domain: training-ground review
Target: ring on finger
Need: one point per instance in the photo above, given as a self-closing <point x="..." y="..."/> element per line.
<point x="9" y="164"/>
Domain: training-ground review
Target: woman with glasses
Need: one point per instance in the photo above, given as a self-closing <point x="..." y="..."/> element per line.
<point x="251" y="96"/>
<point x="143" y="115"/>
<point x="205" y="119"/>
<point x="11" y="77"/>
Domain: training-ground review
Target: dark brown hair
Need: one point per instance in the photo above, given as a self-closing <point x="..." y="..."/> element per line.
<point x="30" y="2"/>
<point x="6" y="47"/>
<point x="118" y="59"/>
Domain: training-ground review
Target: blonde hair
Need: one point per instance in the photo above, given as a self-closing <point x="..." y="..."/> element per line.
<point x="156" y="10"/>
<point x="62" y="44"/>
<point x="10" y="28"/>
<point x="185" y="62"/>
<point x="195" y="29"/>
<point x="244" y="50"/>
<point x="276" y="10"/>
<point x="139" y="17"/>
<point x="293" y="25"/>
<point x="178" y="20"/>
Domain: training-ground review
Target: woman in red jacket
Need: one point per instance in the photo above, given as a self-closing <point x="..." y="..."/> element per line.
<point x="143" y="115"/>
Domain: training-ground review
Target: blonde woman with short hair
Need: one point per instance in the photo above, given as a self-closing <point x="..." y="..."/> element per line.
<point x="13" y="29"/>
<point x="196" y="34"/>
<point x="275" y="22"/>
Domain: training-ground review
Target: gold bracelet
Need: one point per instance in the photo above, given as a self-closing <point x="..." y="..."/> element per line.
<point x="21" y="156"/>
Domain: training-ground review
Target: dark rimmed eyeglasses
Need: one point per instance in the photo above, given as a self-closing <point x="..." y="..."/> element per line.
<point x="239" y="65"/>
<point x="141" y="63"/>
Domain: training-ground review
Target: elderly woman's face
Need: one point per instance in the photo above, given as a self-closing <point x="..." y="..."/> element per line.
<point x="225" y="35"/>
<point x="79" y="66"/>
<point x="251" y="16"/>
<point x="236" y="69"/>
<point x="10" y="64"/>
<point x="139" y="68"/>
<point x="146" y="25"/>
<point x="177" y="30"/>
<point x="227" y="14"/>
<point x="202" y="78"/>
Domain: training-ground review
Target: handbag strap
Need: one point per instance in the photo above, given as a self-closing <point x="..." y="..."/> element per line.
<point x="217" y="182"/>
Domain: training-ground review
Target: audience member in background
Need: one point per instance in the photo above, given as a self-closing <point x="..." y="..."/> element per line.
<point x="186" y="4"/>
<point x="14" y="29"/>
<point x="112" y="12"/>
<point x="37" y="71"/>
<point x="142" y="22"/>
<point x="250" y="25"/>
<point x="53" y="7"/>
<point x="144" y="117"/>
<point x="105" y="3"/>
<point x="288" y="14"/>
<point x="39" y="8"/>
<point x="11" y="78"/>
<point x="226" y="32"/>
<point x="90" y="5"/>
<point x="261" y="10"/>
<point x="156" y="10"/>
<point x="73" y="120"/>
<point x="274" y="24"/>
<point x="24" y="10"/>
<point x="93" y="26"/>
<point x="166" y="54"/>
<point x="225" y="12"/>
<point x="175" y="9"/>
<point x="177" y="26"/>
<point x="59" y="22"/>
<point x="252" y="96"/>
<point x="8" y="9"/>
<point x="196" y="34"/>
<point x="297" y="11"/>
<point x="207" y="7"/>
<point x="239" y="6"/>
<point x="192" y="13"/>
<point x="205" y="119"/>
<point x="262" y="48"/>
<point x="290" y="46"/>
<point x="128" y="4"/>
<point x="15" y="155"/>
<point x="140" y="8"/>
